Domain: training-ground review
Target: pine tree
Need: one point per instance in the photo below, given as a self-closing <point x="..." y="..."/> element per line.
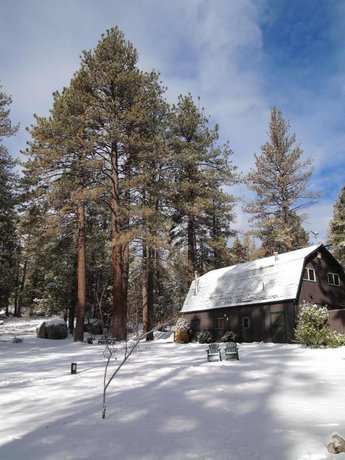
<point x="218" y="216"/>
<point x="119" y="115"/>
<point x="281" y="182"/>
<point x="239" y="252"/>
<point x="60" y="175"/>
<point x="337" y="228"/>
<point x="201" y="169"/>
<point x="7" y="206"/>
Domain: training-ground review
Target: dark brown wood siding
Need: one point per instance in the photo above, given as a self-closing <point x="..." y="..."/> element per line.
<point x="251" y="323"/>
<point x="275" y="322"/>
<point x="320" y="291"/>
<point x="336" y="321"/>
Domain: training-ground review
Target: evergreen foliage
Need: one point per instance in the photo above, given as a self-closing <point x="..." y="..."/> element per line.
<point x="337" y="228"/>
<point x="229" y="336"/>
<point x="281" y="183"/>
<point x="107" y="170"/>
<point x="243" y="251"/>
<point x="202" y="211"/>
<point x="8" y="244"/>
<point x="312" y="328"/>
<point x="205" y="337"/>
<point x="127" y="197"/>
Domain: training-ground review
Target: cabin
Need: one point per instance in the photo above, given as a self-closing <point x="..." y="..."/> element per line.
<point x="260" y="300"/>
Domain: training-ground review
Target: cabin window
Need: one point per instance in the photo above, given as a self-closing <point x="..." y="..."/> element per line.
<point x="220" y="323"/>
<point x="245" y="322"/>
<point x="333" y="279"/>
<point x="309" y="274"/>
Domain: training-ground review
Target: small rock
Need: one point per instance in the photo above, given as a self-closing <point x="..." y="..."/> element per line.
<point x="336" y="444"/>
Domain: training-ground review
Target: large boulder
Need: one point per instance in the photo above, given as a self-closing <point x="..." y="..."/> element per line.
<point x="52" y="329"/>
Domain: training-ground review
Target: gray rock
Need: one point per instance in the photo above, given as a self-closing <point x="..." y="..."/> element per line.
<point x="54" y="329"/>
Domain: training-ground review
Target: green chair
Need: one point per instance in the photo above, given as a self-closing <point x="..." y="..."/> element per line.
<point x="213" y="352"/>
<point x="231" y="351"/>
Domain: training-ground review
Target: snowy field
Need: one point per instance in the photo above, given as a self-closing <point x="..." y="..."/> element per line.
<point x="279" y="402"/>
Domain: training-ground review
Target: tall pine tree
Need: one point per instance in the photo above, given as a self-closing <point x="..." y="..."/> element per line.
<point x="337" y="228"/>
<point x="118" y="116"/>
<point x="7" y="206"/>
<point x="60" y="177"/>
<point x="281" y="181"/>
<point x="201" y="168"/>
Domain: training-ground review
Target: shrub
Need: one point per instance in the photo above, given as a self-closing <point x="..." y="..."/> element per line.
<point x="205" y="337"/>
<point x="183" y="331"/>
<point x="312" y="329"/>
<point x="229" y="336"/>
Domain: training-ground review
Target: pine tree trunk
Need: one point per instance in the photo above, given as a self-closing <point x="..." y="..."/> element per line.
<point x="119" y="319"/>
<point x="18" y="310"/>
<point x="147" y="291"/>
<point x="125" y="277"/>
<point x="191" y="250"/>
<point x="118" y="327"/>
<point x="81" y="283"/>
<point x="16" y="292"/>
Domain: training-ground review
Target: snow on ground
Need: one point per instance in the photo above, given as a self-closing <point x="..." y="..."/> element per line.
<point x="279" y="402"/>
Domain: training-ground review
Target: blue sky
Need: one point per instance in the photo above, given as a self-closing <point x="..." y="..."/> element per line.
<point x="240" y="56"/>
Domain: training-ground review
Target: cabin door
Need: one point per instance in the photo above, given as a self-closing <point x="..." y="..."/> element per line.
<point x="278" y="326"/>
<point x="246" y="329"/>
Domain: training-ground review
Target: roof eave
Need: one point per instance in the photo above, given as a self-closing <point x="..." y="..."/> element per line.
<point x="242" y="304"/>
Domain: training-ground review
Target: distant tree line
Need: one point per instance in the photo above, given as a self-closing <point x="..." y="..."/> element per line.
<point x="124" y="197"/>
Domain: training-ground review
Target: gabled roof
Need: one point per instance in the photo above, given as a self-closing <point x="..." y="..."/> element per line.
<point x="271" y="279"/>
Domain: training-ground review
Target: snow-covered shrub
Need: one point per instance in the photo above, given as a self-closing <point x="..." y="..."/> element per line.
<point x="94" y="326"/>
<point x="229" y="336"/>
<point x="312" y="327"/>
<point x="183" y="331"/>
<point x="205" y="337"/>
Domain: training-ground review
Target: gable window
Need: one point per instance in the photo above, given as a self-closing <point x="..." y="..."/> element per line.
<point x="309" y="274"/>
<point x="245" y="322"/>
<point x="220" y="322"/>
<point x="333" y="279"/>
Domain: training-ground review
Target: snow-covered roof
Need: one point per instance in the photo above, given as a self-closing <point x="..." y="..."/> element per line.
<point x="271" y="279"/>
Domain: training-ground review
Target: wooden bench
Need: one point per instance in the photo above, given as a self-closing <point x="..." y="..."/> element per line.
<point x="106" y="341"/>
<point x="17" y="340"/>
<point x="231" y="351"/>
<point x="213" y="352"/>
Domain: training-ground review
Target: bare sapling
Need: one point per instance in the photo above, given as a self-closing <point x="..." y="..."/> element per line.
<point x="109" y="352"/>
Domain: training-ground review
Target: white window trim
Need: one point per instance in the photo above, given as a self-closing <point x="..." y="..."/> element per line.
<point x="307" y="277"/>
<point x="335" y="277"/>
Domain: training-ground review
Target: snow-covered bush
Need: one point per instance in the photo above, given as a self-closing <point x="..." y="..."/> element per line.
<point x="205" y="337"/>
<point x="312" y="328"/>
<point x="183" y="331"/>
<point x="229" y="336"/>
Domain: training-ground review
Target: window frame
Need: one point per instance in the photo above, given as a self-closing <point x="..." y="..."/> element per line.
<point x="306" y="274"/>
<point x="335" y="277"/>
<point x="220" y="320"/>
<point x="245" y="322"/>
